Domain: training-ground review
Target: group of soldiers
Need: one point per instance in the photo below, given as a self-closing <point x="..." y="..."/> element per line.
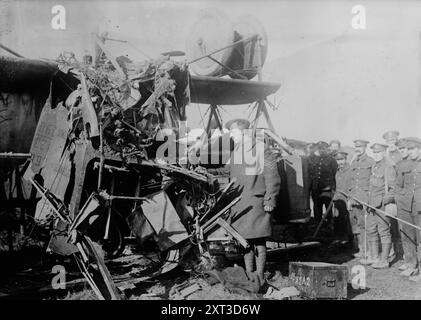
<point x="375" y="201"/>
<point x="366" y="196"/>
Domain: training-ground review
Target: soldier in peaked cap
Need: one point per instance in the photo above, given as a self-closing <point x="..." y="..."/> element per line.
<point x="392" y="154"/>
<point x="322" y="170"/>
<point x="381" y="190"/>
<point x="259" y="189"/>
<point x="359" y="183"/>
<point x="403" y="149"/>
<point x="408" y="199"/>
<point x="407" y="245"/>
<point x="341" y="223"/>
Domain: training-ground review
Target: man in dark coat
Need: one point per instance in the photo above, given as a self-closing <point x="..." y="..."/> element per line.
<point x="322" y="171"/>
<point x="257" y="179"/>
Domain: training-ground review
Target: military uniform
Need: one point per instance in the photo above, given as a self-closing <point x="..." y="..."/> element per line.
<point x="379" y="225"/>
<point x="342" y="182"/>
<point x="322" y="170"/>
<point x="341" y="222"/>
<point x="257" y="190"/>
<point x="382" y="181"/>
<point x="408" y="234"/>
<point x="359" y="182"/>
<point x="259" y="186"/>
<point x="394" y="156"/>
<point x="408" y="200"/>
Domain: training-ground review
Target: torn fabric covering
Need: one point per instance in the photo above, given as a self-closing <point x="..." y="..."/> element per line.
<point x="140" y="226"/>
<point x="59" y="242"/>
<point x="50" y="158"/>
<point x="165" y="221"/>
<point x="90" y="120"/>
<point x="171" y="91"/>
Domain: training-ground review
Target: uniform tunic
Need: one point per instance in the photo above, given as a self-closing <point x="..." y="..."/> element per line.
<point x="394" y="156"/>
<point x="342" y="182"/>
<point x="378" y="225"/>
<point x="257" y="190"/>
<point x="359" y="183"/>
<point x="322" y="170"/>
<point x="342" y="224"/>
<point x="359" y="177"/>
<point x="408" y="186"/>
<point x="408" y="201"/>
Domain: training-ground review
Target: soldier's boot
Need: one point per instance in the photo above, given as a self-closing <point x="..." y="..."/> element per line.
<point x="416" y="277"/>
<point x="355" y="247"/>
<point x="373" y="254"/>
<point x="261" y="263"/>
<point x="383" y="263"/>
<point x="249" y="261"/>
<point x="392" y="253"/>
<point x="410" y="271"/>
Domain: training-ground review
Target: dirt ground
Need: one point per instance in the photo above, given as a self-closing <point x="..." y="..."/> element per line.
<point x="380" y="284"/>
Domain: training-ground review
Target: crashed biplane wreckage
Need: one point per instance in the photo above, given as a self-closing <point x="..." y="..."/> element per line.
<point x="102" y="158"/>
<point x="94" y="166"/>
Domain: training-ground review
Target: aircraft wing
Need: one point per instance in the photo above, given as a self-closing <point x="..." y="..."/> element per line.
<point x="19" y="73"/>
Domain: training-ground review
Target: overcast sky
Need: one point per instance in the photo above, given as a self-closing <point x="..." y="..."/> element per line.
<point x="336" y="82"/>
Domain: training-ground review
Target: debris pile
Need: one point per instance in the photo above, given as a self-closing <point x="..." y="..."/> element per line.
<point x="104" y="180"/>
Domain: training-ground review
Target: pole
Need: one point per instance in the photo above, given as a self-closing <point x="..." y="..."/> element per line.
<point x="381" y="211"/>
<point x="221" y="49"/>
<point x="11" y="51"/>
<point x="365" y="234"/>
<point x="329" y="208"/>
<point x="13" y="155"/>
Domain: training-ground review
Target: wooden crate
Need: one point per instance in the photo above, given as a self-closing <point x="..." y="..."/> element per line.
<point x="319" y="280"/>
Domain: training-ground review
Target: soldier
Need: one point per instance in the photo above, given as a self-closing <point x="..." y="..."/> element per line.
<point x="382" y="182"/>
<point x="401" y="145"/>
<point x="259" y="191"/>
<point x="340" y="212"/>
<point x="392" y="154"/>
<point x="403" y="150"/>
<point x="408" y="200"/>
<point x="322" y="170"/>
<point x="359" y="182"/>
